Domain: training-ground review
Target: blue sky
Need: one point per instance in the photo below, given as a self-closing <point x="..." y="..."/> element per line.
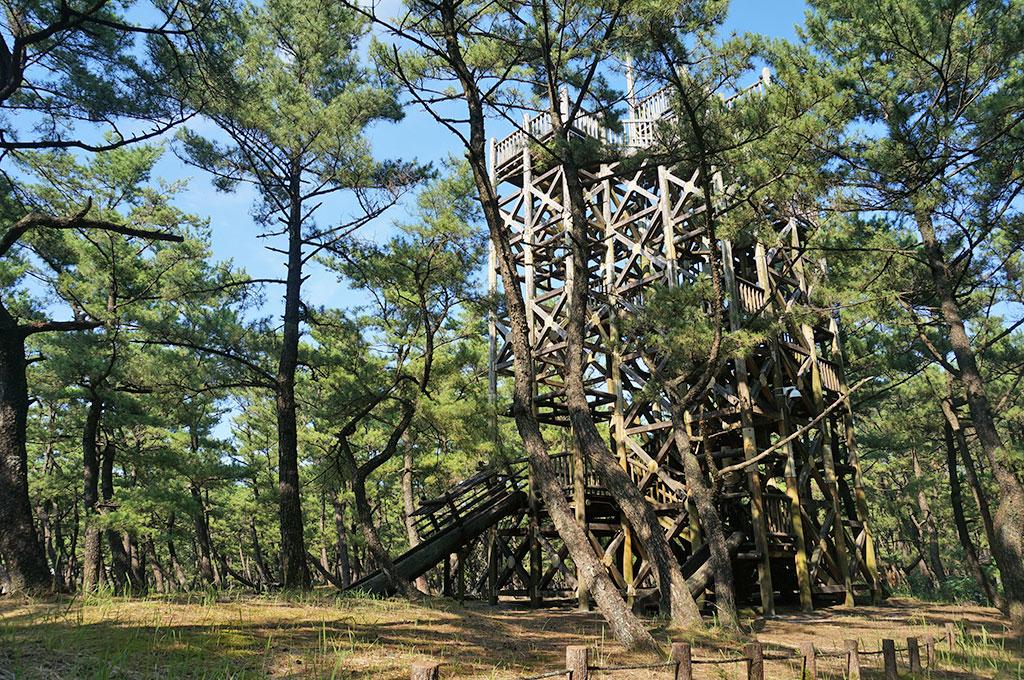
<point x="416" y="136"/>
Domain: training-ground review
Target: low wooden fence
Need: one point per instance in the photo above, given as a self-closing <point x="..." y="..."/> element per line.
<point x="682" y="663"/>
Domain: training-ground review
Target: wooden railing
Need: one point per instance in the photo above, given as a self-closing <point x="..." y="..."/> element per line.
<point x="640" y="131"/>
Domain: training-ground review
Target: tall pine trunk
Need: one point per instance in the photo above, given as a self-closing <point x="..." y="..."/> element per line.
<point x="92" y="559"/>
<point x="19" y="541"/>
<point x="294" y="570"/>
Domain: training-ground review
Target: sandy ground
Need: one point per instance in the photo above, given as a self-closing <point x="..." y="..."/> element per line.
<point x="323" y="636"/>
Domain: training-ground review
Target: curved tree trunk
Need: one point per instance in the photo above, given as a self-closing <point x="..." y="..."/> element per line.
<point x="675" y="595"/>
<point x="701" y="492"/>
<point x="956" y="500"/>
<point x="1008" y="547"/>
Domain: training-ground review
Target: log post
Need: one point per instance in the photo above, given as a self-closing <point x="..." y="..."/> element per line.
<point x="929" y="651"/>
<point x="810" y="661"/>
<point x="755" y="661"/>
<point x="683" y="657"/>
<point x="577" y="661"/>
<point x="889" y="659"/>
<point x="951" y="636"/>
<point x="852" y="660"/>
<point x="492" y="566"/>
<point x="914" y="655"/>
<point x="425" y="670"/>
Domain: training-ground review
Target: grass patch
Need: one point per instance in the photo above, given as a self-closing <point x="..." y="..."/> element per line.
<point x="326" y="635"/>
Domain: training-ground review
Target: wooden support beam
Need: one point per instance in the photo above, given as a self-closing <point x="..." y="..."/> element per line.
<point x="764" y="566"/>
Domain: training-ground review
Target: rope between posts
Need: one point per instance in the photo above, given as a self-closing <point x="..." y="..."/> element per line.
<point x="664" y="664"/>
<point x="551" y="674"/>
<point x="719" y="662"/>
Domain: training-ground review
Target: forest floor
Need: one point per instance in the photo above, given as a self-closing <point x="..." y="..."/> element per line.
<point x="325" y="636"/>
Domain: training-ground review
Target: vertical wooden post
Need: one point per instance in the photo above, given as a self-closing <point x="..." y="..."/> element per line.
<point x="929" y="651"/>
<point x="764" y="564"/>
<point x="614" y="383"/>
<point x="492" y="566"/>
<point x="529" y="293"/>
<point x="755" y="661"/>
<point x="425" y="670"/>
<point x="914" y="655"/>
<point x="889" y="659"/>
<point x="810" y="661"/>
<point x="951" y="636"/>
<point x="683" y="657"/>
<point x="828" y="462"/>
<point x="460" y="575"/>
<point x="446" y="576"/>
<point x="803" y="575"/>
<point x="870" y="559"/>
<point x="577" y="661"/>
<point x="852" y="660"/>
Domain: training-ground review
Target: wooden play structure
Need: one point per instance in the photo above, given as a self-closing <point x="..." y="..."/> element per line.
<point x="797" y="522"/>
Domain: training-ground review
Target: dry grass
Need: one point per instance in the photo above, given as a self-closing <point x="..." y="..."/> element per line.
<point x="324" y="636"/>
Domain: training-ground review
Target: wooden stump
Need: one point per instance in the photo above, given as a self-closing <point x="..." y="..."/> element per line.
<point x="425" y="670"/>
<point x="951" y="636"/>
<point x="810" y="661"/>
<point x="577" y="660"/>
<point x="914" y="655"/>
<point x="929" y="651"/>
<point x="755" y="661"/>
<point x="683" y="656"/>
<point x="852" y="660"/>
<point x="889" y="659"/>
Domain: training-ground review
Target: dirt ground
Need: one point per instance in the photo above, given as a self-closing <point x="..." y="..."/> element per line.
<point x="324" y="636"/>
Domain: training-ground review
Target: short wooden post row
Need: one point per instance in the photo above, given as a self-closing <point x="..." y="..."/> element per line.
<point x="929" y="651"/>
<point x="852" y="660"/>
<point x="425" y="670"/>
<point x="914" y="655"/>
<point x="810" y="661"/>
<point x="683" y="656"/>
<point x="889" y="659"/>
<point x="951" y="635"/>
<point x="755" y="661"/>
<point x="577" y="661"/>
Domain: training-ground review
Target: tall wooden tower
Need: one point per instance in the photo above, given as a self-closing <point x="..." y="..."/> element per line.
<point x="799" y="519"/>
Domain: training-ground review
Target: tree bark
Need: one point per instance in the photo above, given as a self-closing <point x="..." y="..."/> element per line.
<point x="206" y="570"/>
<point x="294" y="570"/>
<point x="980" y="499"/>
<point x="931" y="532"/>
<point x="19" y="541"/>
<point x="172" y="555"/>
<point x="92" y="560"/>
<point x="675" y="595"/>
<point x="956" y="501"/>
<point x="120" y="563"/>
<point x="343" y="568"/>
<point x="409" y="507"/>
<point x="1008" y="547"/>
<point x="594" y="578"/>
<point x="700" y="490"/>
